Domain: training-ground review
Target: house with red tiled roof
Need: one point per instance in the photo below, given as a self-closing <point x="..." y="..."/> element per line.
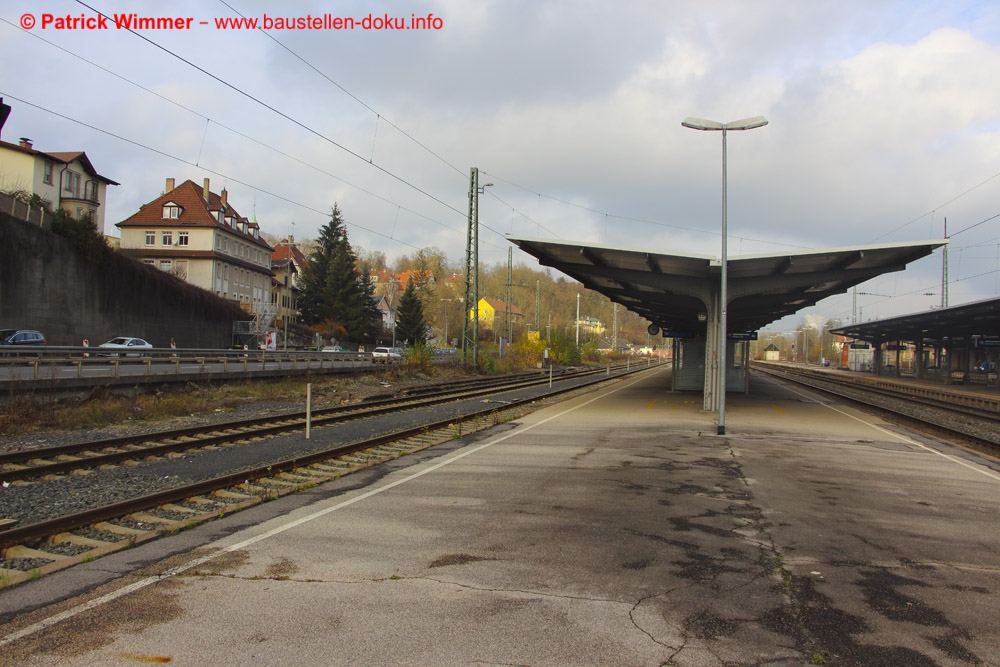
<point x="198" y="236"/>
<point x="286" y="261"/>
<point x="62" y="179"/>
<point x="287" y="250"/>
<point x="418" y="277"/>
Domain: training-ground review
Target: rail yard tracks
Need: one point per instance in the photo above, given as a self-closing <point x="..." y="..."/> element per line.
<point x="971" y="417"/>
<point x="32" y="549"/>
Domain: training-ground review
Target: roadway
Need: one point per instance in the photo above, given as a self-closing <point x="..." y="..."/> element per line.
<point x="614" y="528"/>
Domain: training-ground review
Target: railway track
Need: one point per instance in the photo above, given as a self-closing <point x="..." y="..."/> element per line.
<point x="969" y="417"/>
<point x="35" y="549"/>
<point x="66" y="459"/>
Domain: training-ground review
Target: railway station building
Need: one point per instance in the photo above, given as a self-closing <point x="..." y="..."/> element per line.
<point x="679" y="294"/>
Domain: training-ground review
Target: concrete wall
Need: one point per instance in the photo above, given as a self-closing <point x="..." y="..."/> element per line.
<point x="46" y="285"/>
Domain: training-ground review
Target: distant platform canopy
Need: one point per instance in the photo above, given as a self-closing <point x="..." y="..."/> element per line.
<point x="979" y="318"/>
<point x="676" y="292"/>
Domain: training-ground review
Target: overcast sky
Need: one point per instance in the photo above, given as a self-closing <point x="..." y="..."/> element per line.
<point x="884" y="121"/>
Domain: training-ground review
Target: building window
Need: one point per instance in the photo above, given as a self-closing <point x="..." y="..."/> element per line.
<point x="165" y="265"/>
<point x="167" y="238"/>
<point x="171" y="212"/>
<point x="150" y="237"/>
<point x="182" y="238"/>
<point x="71" y="184"/>
<point x="47" y="173"/>
<point x="151" y="262"/>
<point x="90" y="191"/>
<point x="79" y="212"/>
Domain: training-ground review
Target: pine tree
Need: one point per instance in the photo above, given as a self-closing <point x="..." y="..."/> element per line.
<point x="410" y="324"/>
<point x="373" y="317"/>
<point x="332" y="299"/>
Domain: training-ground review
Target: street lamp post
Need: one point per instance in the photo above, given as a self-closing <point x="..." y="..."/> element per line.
<point x="709" y="126"/>
<point x="578" y="319"/>
<point x="446" y="342"/>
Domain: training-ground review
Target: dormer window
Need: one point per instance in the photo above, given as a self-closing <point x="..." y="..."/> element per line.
<point x="171" y="211"/>
<point x="220" y="216"/>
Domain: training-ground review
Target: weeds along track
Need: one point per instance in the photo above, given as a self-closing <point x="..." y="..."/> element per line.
<point x="970" y="416"/>
<point x="30" y="550"/>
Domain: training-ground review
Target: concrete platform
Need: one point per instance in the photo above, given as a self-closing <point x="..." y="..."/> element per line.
<point x="612" y="529"/>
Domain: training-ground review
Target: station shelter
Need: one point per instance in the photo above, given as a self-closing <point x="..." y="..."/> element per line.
<point x="679" y="294"/>
<point x="951" y="345"/>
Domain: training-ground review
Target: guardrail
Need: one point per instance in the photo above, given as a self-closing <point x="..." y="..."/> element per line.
<point x="53" y="362"/>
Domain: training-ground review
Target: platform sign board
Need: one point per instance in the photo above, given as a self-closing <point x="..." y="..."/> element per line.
<point x="667" y="333"/>
<point x="743" y="335"/>
<point x="988" y="342"/>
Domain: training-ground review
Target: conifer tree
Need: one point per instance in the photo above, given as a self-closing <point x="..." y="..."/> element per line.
<point x="410" y="324"/>
<point x="373" y="317"/>
<point x="332" y="298"/>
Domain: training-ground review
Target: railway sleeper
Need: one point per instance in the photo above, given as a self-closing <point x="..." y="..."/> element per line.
<point x="137" y="527"/>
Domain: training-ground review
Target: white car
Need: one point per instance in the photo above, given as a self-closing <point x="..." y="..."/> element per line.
<point x="387" y="354"/>
<point x="131" y="345"/>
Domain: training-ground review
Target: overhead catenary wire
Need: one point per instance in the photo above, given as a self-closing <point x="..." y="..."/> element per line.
<point x="188" y="162"/>
<point x="236" y="89"/>
<point x="932" y="211"/>
<point x="280" y="113"/>
<point x="380" y="118"/>
<point x="229" y="128"/>
<point x="608" y="214"/>
<point x="354" y="97"/>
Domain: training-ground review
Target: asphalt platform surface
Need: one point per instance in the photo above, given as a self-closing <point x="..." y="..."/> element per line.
<point x="614" y="528"/>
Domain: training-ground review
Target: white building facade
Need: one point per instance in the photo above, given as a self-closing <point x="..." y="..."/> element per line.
<point x="197" y="236"/>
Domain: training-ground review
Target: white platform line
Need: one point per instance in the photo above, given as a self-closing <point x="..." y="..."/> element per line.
<point x="139" y="585"/>
<point x="909" y="441"/>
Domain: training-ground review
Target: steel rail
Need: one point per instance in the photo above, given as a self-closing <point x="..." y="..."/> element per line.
<point x="837" y="387"/>
<point x="15" y="535"/>
<point x="228" y="432"/>
<point x="26" y="455"/>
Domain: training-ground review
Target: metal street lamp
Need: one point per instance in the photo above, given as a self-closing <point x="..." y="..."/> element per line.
<point x="578" y="319"/>
<point x="710" y="126"/>
<point x="446" y="342"/>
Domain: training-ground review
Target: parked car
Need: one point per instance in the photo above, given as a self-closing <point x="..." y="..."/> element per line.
<point x="21" y="337"/>
<point x="387" y="354"/>
<point x="133" y="345"/>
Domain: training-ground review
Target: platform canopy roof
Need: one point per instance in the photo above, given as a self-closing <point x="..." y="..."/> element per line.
<point x="673" y="290"/>
<point x="979" y="318"/>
